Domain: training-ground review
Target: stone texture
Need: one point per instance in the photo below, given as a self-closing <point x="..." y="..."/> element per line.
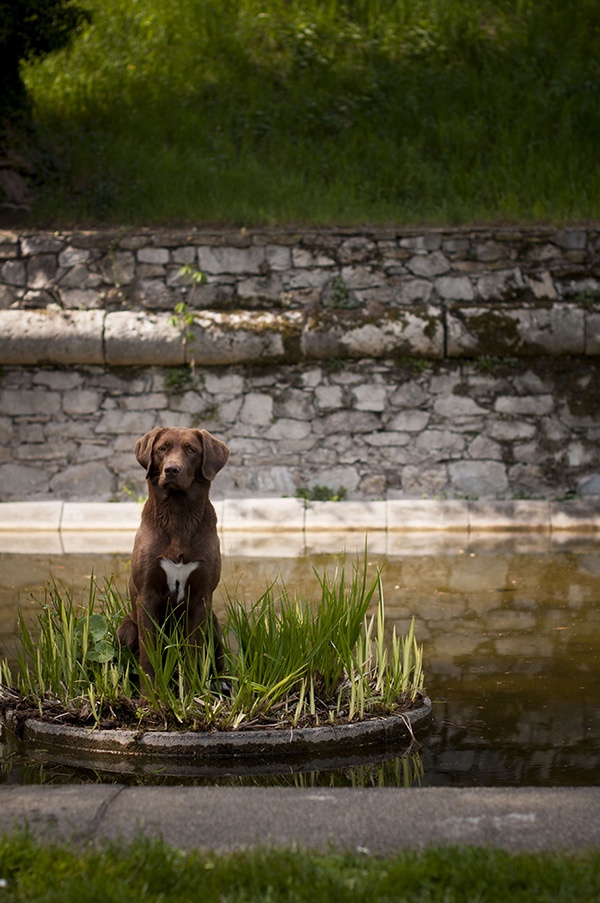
<point x="84" y="481"/>
<point x="142" y="338"/>
<point x="429" y="375"/>
<point x="289" y="427"/>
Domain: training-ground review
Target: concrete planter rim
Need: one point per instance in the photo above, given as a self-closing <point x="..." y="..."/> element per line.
<point x="205" y="749"/>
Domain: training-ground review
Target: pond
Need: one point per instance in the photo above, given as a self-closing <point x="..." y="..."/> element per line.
<point x="511" y="636"/>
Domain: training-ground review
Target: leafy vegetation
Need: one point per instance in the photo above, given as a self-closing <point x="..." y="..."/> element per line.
<point x="321" y="494"/>
<point x="153" y="871"/>
<point x="341" y="111"/>
<point x="289" y="662"/>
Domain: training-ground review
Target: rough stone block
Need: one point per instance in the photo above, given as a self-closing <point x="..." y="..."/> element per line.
<point x="20" y="481"/>
<point x="72" y="256"/>
<point x="232" y="260"/>
<point x="409" y="421"/>
<point x="302" y="257"/>
<point x="13" y="272"/>
<point x="501" y="285"/>
<point x="186" y="254"/>
<point x="257" y="409"/>
<point x="542" y="286"/>
<point x="429" y="265"/>
<point x="455" y="288"/>
<point x="154" y="294"/>
<point x="457" y="406"/>
<point x="80" y="299"/>
<point x="571" y="239"/>
<point x="430" y="241"/>
<point x="79" y="276"/>
<point x="534" y="405"/>
<point x="370" y="397"/>
<point x="356" y="250"/>
<point x="41" y="270"/>
<point x="592" y="332"/>
<point x="269" y="288"/>
<point x="154" y="256"/>
<point x="133" y="423"/>
<point x="7" y="297"/>
<point x="328" y="397"/>
<point x="278" y="258"/>
<point x="288" y="429"/>
<point x="40" y="244"/>
<point x="84" y="401"/>
<point x="92" y="480"/>
<point x="478" y="478"/>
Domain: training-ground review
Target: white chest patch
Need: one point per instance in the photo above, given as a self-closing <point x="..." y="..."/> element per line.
<point x="178" y="575"/>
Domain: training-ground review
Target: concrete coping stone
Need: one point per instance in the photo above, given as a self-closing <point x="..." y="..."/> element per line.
<point x="99" y="516"/>
<point x="142" y="338"/>
<point x="265" y="516"/>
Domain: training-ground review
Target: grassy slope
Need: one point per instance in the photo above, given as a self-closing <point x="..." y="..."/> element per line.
<point x="242" y="111"/>
<point x="151" y="871"/>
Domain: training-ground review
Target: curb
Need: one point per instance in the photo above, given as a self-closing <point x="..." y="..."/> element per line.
<point x="294" y="515"/>
<point x="372" y="820"/>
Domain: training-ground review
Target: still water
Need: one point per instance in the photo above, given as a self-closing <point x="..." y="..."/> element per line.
<point x="511" y="650"/>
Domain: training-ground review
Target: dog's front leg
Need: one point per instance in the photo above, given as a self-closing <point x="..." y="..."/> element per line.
<point x="198" y="618"/>
<point x="148" y="614"/>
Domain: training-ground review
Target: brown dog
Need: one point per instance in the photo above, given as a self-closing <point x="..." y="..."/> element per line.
<point x="176" y="559"/>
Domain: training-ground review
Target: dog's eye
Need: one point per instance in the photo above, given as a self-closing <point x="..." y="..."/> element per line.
<point x="163" y="448"/>
<point x="190" y="449"/>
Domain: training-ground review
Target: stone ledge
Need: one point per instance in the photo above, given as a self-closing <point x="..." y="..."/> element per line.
<point x="269" y="516"/>
<point x="238" y="337"/>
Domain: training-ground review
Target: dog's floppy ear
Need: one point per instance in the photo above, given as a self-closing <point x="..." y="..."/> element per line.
<point x="143" y="449"/>
<point x="216" y="455"/>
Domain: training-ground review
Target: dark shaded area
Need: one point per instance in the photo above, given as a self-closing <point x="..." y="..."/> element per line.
<point x="28" y="29"/>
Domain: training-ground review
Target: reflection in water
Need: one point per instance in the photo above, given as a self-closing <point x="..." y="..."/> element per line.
<point x="512" y="645"/>
<point x="404" y="770"/>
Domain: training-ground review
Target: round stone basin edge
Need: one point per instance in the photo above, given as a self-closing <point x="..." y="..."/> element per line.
<point x="212" y="746"/>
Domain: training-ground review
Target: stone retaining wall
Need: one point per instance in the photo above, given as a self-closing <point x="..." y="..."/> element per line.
<point x="392" y="363"/>
<point x="286" y="296"/>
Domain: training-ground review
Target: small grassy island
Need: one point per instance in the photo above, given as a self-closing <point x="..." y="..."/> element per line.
<point x="291" y="663"/>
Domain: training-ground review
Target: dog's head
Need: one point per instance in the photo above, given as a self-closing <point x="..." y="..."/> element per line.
<point x="175" y="457"/>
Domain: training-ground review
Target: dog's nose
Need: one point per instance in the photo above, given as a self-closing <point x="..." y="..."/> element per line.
<point x="172" y="469"/>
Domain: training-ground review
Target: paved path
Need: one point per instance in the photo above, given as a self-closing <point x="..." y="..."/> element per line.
<point x="374" y="820"/>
